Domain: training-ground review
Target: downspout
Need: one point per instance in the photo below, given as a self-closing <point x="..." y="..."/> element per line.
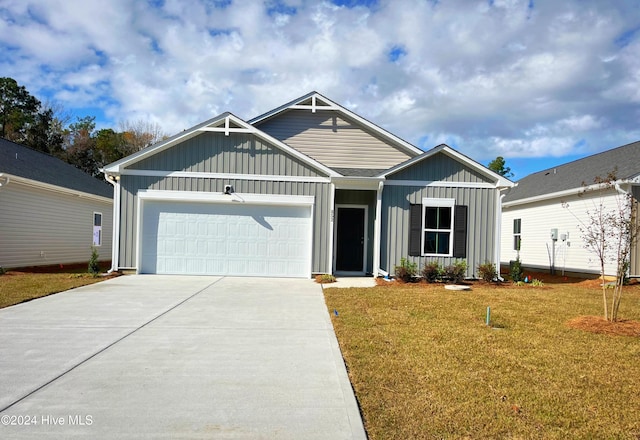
<point x="332" y="232"/>
<point x="377" y="227"/>
<point x="498" y="238"/>
<point x="628" y="193"/>
<point x="115" y="239"/>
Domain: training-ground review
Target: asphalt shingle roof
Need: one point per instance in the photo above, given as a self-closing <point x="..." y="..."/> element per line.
<point x="625" y="160"/>
<point x="30" y="164"/>
<point x="358" y="172"/>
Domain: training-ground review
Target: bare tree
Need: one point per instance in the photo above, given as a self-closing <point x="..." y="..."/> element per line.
<point x="609" y="233"/>
<point x="140" y="134"/>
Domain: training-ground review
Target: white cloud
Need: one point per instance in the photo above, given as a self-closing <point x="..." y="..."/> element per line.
<point x="490" y="78"/>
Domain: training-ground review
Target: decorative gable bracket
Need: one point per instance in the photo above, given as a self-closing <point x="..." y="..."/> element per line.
<point x="227" y="126"/>
<point x="314" y="104"/>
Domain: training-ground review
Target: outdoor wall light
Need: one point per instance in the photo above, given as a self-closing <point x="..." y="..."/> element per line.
<point x="228" y="189"/>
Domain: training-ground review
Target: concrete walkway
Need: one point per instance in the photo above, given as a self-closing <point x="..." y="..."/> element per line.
<point x="175" y="357"/>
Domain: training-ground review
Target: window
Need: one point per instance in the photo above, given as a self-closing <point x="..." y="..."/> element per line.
<point x="438" y="227"/>
<point x="517" y="232"/>
<point x="97" y="229"/>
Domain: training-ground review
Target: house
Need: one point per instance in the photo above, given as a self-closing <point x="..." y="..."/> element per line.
<point x="543" y="213"/>
<point x="50" y="211"/>
<point x="309" y="187"/>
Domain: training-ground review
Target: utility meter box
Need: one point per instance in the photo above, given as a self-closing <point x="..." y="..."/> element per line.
<point x="554" y="234"/>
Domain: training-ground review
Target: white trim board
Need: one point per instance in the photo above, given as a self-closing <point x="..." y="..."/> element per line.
<point x="234" y="176"/>
<point x="248" y="198"/>
<point x="240" y="126"/>
<point x="439" y="183"/>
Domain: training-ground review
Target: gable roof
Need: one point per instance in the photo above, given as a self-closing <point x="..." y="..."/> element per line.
<point x="315" y="101"/>
<point x="501" y="181"/>
<point x="223" y="123"/>
<point x="625" y="160"/>
<point x="20" y="161"/>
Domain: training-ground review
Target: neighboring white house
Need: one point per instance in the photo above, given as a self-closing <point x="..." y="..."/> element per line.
<point x="542" y="214"/>
<point x="50" y="211"/>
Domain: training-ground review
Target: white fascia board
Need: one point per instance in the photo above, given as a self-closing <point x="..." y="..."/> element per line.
<point x="439" y="184"/>
<point x="233" y="198"/>
<point x="555" y="195"/>
<point x="501" y="181"/>
<point x="228" y="176"/>
<point x="355" y="182"/>
<point x="411" y="161"/>
<point x="295" y="104"/>
<point x="634" y="180"/>
<point x="57" y="189"/>
<point x="116" y="167"/>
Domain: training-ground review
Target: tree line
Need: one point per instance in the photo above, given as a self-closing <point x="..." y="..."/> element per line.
<point x="48" y="128"/>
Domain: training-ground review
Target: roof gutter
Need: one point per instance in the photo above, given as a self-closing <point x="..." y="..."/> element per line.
<point x="4" y="180"/>
<point x="55" y="188"/>
<point x="355" y="182"/>
<point x="564" y="193"/>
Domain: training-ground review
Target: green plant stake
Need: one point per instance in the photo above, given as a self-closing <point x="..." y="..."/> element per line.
<point x="488" y="315"/>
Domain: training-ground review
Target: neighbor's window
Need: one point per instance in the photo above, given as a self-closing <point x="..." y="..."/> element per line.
<point x="437" y="226"/>
<point x="517" y="228"/>
<point x="97" y="229"/>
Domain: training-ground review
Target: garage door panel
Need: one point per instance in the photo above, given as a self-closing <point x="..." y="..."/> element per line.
<point x="222" y="239"/>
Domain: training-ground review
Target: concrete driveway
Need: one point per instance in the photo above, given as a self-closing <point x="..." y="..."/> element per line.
<point x="175" y="357"/>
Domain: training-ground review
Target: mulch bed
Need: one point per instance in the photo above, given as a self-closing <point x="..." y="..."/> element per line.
<point x="57" y="268"/>
<point x="597" y="324"/>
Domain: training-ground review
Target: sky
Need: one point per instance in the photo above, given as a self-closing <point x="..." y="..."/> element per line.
<point x="539" y="82"/>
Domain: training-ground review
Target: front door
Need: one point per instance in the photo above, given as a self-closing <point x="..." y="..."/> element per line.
<point x="351" y="239"/>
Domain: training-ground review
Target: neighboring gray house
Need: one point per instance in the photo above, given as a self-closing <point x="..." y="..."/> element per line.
<point x="50" y="211"/>
<point x="534" y="208"/>
<point x="309" y="187"/>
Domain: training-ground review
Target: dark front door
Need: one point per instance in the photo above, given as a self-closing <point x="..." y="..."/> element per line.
<point x="350" y="240"/>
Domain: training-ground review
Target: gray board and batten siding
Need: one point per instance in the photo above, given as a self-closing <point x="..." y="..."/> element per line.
<point x="481" y="213"/>
<point x="216" y="153"/>
<point x="213" y="152"/>
<point x="333" y="140"/>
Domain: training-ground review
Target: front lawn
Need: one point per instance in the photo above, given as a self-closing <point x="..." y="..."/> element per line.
<point x="17" y="286"/>
<point x="423" y="363"/>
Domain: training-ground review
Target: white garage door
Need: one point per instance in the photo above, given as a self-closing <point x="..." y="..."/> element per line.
<point x="225" y="239"/>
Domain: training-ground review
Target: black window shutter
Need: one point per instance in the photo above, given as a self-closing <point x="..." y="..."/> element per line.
<point x="415" y="230"/>
<point x="460" y="231"/>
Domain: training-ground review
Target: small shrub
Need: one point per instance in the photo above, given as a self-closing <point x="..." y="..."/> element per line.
<point x="94" y="267"/>
<point x="325" y="278"/>
<point x="456" y="271"/>
<point x="431" y="272"/>
<point x="515" y="270"/>
<point x="2" y="270"/>
<point x="537" y="283"/>
<point x="406" y="270"/>
<point x="488" y="272"/>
